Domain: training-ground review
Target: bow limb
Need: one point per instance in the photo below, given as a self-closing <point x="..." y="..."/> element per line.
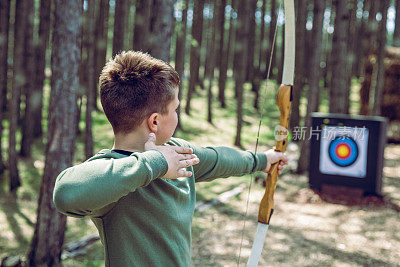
<point x="284" y="101"/>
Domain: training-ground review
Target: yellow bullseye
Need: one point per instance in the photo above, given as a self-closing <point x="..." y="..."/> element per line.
<point x="343" y="151"/>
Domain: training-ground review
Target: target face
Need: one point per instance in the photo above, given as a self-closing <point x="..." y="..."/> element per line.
<point x="343" y="154"/>
<point x="343" y="151"/>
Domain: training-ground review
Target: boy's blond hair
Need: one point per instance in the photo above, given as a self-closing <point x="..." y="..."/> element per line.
<point x="133" y="85"/>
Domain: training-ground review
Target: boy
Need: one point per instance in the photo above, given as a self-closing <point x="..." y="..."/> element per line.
<point x="141" y="193"/>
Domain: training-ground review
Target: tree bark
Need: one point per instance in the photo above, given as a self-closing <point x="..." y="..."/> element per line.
<point x="19" y="80"/>
<point x="46" y="245"/>
<point x="252" y="35"/>
<point x="195" y="46"/>
<point x="180" y="48"/>
<point x="272" y="28"/>
<point x="100" y="51"/>
<point x="220" y="31"/>
<point x="119" y="26"/>
<point x="242" y="32"/>
<point x="232" y="34"/>
<point x="360" y="28"/>
<point x="4" y="30"/>
<point x="352" y="31"/>
<point x="31" y="103"/>
<point x="300" y="62"/>
<point x="263" y="44"/>
<point x="327" y="54"/>
<point x="339" y="93"/>
<point x="380" y="64"/>
<point x="281" y="55"/>
<point x="315" y="75"/>
<point x="91" y="65"/>
<point x="40" y="62"/>
<point x="211" y="61"/>
<point x="161" y="29"/>
<point x="223" y="67"/>
<point x="142" y="22"/>
<point x="368" y="41"/>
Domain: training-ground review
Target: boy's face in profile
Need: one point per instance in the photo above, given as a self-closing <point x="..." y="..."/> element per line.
<point x="167" y="122"/>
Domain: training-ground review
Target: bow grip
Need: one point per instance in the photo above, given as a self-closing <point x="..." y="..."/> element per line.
<point x="284" y="102"/>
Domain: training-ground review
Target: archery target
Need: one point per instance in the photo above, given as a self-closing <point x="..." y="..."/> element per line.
<point x="343" y="154"/>
<point x="343" y="151"/>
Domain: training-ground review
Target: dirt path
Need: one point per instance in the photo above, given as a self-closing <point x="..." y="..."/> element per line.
<point x="308" y="229"/>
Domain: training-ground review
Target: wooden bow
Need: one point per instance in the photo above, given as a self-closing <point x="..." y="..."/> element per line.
<point x="284" y="100"/>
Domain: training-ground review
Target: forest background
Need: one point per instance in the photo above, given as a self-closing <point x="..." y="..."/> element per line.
<point x="51" y="54"/>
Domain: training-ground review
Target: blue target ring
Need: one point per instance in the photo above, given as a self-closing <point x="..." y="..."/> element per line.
<point x="346" y="144"/>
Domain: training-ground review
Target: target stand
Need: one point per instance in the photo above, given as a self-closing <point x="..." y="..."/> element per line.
<point x="347" y="151"/>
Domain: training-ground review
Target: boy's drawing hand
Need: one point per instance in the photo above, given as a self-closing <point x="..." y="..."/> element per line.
<point x="274" y="156"/>
<point x="178" y="158"/>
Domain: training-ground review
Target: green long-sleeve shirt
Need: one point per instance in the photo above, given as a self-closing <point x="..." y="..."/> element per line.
<point x="142" y="219"/>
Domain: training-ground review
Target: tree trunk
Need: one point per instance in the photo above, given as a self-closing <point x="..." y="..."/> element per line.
<point x="46" y="245"/>
<point x="300" y="68"/>
<point x="263" y="44"/>
<point x="101" y="32"/>
<point x="119" y="26"/>
<point x="366" y="88"/>
<point x="195" y="45"/>
<point x="242" y="31"/>
<point x="161" y="29"/>
<point x="360" y="28"/>
<point x="368" y="42"/>
<point x="327" y="54"/>
<point x="180" y="48"/>
<point x="353" y="27"/>
<point x="31" y="103"/>
<point x="206" y="41"/>
<point x="83" y="68"/>
<point x="18" y="84"/>
<point x="40" y="62"/>
<point x="142" y="22"/>
<point x="272" y="28"/>
<point x="91" y="65"/>
<point x="252" y="35"/>
<point x="223" y="67"/>
<point x="232" y="34"/>
<point x="315" y="75"/>
<point x="380" y="65"/>
<point x="211" y="61"/>
<point x="339" y="93"/>
<point x="220" y="31"/>
<point x="396" y="34"/>
<point x="281" y="55"/>
<point x="4" y="30"/>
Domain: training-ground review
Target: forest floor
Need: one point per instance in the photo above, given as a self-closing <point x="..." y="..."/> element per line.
<point x="335" y="227"/>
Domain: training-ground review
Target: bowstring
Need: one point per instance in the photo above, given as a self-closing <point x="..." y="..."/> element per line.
<point x="261" y="114"/>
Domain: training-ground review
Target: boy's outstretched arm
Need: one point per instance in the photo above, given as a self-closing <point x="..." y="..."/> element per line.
<point x="92" y="187"/>
<point x="219" y="162"/>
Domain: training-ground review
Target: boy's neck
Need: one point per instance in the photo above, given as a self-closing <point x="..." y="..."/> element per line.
<point x="133" y="141"/>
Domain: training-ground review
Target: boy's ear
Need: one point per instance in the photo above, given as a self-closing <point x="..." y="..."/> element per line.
<point x="152" y="122"/>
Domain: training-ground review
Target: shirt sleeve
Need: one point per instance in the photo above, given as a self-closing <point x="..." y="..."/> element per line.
<point x="220" y="162"/>
<point x="93" y="185"/>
